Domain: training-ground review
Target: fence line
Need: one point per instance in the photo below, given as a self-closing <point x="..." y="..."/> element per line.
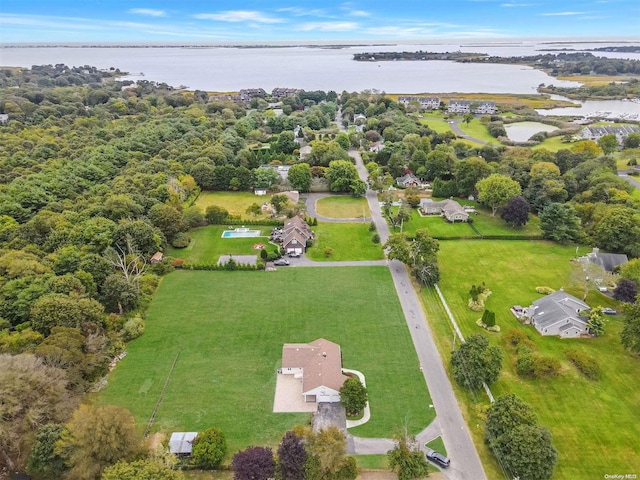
<point x="164" y="388"/>
<point x="459" y="333"/>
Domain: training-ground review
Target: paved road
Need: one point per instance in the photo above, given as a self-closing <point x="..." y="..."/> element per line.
<point x="632" y="180"/>
<point x="465" y="464"/>
<point x="456" y="129"/>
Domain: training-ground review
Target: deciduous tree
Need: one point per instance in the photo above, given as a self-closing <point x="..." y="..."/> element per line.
<point x="630" y="335"/>
<point x="353" y="396"/>
<point x="626" y="291"/>
<point x="476" y="362"/>
<point x="44" y="461"/>
<point x="209" y="448"/>
<point x="506" y="413"/>
<point x="406" y="459"/>
<point x="299" y="177"/>
<point x="292" y="457"/>
<point x="148" y="469"/>
<point x="560" y="223"/>
<point x="33" y="394"/>
<point x="527" y="452"/>
<point x="516" y="212"/>
<point x="97" y="437"/>
<point x="496" y="190"/>
<point x="253" y="463"/>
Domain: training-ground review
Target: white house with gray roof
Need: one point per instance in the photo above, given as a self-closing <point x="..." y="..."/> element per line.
<point x="449" y="209"/>
<point x="596" y="133"/>
<point x="559" y="314"/>
<point x="472" y="106"/>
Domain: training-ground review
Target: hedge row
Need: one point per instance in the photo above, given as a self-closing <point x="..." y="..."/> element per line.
<point x="229" y="266"/>
<point x="265" y="221"/>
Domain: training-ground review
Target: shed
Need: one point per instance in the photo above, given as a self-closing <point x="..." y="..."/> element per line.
<point x="181" y="443"/>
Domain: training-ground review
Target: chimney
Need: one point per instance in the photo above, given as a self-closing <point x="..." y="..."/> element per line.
<point x="324" y="354"/>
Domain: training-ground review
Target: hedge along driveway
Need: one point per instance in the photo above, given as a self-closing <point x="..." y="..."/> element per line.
<point x="229" y="328"/>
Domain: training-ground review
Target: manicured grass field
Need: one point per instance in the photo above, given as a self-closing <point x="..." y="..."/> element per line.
<point x="343" y="207"/>
<point x="482" y="221"/>
<point x="438" y="125"/>
<point x="477" y="129"/>
<point x="228" y="329"/>
<point x="553" y="144"/>
<point x="235" y="202"/>
<point x="595" y="424"/>
<point x="349" y="241"/>
<point x="207" y="244"/>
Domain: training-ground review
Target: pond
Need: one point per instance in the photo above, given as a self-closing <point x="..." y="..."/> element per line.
<point x="522" y="131"/>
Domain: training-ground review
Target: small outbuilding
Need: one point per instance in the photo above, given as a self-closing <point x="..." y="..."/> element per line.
<point x="181" y="443"/>
<point x="156" y="258"/>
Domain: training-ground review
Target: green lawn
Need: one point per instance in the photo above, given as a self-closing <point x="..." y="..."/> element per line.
<point x="553" y="144"/>
<point x="207" y="244"/>
<point x="438" y="125"/>
<point x="343" y="207"/>
<point x="438" y="445"/>
<point x="235" y="202"/>
<point x="594" y="424"/>
<point x="228" y="329"/>
<point x="477" y="129"/>
<point x="349" y="241"/>
<point x="482" y="221"/>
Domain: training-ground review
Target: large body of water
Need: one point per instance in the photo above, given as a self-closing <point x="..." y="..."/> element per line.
<point x="220" y="69"/>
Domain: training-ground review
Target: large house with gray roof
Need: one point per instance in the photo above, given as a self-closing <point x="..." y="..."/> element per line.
<point x="607" y="261"/>
<point x="426" y="103"/>
<point x="559" y="314"/>
<point x="471" y="106"/>
<point x="449" y="209"/>
<point x="596" y="133"/>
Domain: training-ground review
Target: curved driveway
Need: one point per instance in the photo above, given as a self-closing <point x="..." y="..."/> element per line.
<point x="456" y="129"/>
<point x="310" y="201"/>
<point x="465" y="463"/>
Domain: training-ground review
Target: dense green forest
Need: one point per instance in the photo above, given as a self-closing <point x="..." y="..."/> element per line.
<point x="97" y="174"/>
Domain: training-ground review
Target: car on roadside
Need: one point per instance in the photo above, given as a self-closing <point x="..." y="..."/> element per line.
<point x="281" y="262"/>
<point x="609" y="311"/>
<point x="437" y="458"/>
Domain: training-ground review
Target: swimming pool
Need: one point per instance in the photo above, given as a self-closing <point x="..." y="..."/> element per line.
<point x="240" y="233"/>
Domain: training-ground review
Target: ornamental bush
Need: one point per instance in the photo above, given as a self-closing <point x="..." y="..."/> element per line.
<point x="586" y="364"/>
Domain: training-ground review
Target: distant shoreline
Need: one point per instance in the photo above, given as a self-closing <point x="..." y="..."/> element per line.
<point x="143" y="45"/>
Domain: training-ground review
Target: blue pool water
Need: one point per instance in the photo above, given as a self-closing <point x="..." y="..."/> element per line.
<point x="240" y="233"/>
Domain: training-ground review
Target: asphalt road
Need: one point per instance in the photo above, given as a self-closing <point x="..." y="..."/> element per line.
<point x="465" y="463"/>
<point x="456" y="129"/>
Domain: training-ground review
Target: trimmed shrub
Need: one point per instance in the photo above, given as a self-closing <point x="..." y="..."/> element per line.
<point x="537" y="366"/>
<point x="372" y="227"/>
<point x="181" y="240"/>
<point x="514" y="336"/>
<point x="586" y="364"/>
<point x="524" y="348"/>
<point x="328" y="252"/>
<point x="178" y="263"/>
<point x="132" y="328"/>
<point x="524" y="365"/>
<point x="545" y="290"/>
<point x="375" y="238"/>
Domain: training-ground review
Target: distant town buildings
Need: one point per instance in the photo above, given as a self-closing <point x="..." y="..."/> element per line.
<point x="279" y="92"/>
<point x="596" y="133"/>
<point x="247" y="94"/>
<point x="426" y="103"/>
<point x="472" y="106"/>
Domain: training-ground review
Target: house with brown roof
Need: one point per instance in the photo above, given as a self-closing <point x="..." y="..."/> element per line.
<point x="296" y="234"/>
<point x="319" y="365"/>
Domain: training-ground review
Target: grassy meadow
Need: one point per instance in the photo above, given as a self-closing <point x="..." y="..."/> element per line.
<point x="595" y="424"/>
<point x="476" y="129"/>
<point x="349" y="241"/>
<point x="340" y="206"/>
<point x="228" y="329"/>
<point x="235" y="202"/>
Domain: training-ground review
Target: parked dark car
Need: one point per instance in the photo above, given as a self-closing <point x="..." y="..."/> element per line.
<point x="438" y="458"/>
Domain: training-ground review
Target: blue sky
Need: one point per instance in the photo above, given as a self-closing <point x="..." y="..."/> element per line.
<point x="278" y="20"/>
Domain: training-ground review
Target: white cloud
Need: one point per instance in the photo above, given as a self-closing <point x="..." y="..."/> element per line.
<point x="235" y="16"/>
<point x="303" y="12"/>
<point x="562" y="14"/>
<point x="151" y="12"/>
<point x="328" y="26"/>
<point x="352" y="10"/>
